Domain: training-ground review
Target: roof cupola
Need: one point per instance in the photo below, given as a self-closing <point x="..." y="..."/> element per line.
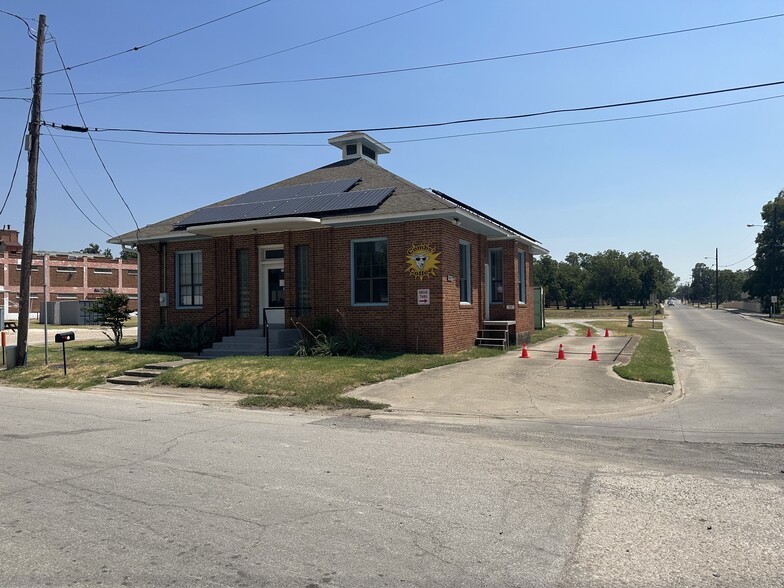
<point x="355" y="145"/>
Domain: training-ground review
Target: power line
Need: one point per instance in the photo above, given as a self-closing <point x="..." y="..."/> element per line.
<point x="65" y="161"/>
<point x="79" y="208"/>
<point x="165" y="38"/>
<point x="24" y="20"/>
<point x="416" y="140"/>
<point x="18" y="158"/>
<point x="426" y="67"/>
<point x="279" y="52"/>
<point x="420" y="125"/>
<point x="95" y="148"/>
<point x="587" y="122"/>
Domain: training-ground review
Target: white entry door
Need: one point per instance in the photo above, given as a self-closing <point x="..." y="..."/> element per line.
<point x="272" y="286"/>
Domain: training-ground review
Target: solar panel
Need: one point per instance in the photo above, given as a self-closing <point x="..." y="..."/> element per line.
<point x="298" y="191"/>
<point x="315" y="204"/>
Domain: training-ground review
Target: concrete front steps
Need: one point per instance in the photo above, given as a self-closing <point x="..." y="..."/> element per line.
<point x="146" y="374"/>
<point x="253" y="342"/>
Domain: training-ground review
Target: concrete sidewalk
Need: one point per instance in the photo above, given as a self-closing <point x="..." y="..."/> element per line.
<point x="540" y="387"/>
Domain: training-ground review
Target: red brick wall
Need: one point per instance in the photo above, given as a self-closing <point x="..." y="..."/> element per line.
<point x="442" y="326"/>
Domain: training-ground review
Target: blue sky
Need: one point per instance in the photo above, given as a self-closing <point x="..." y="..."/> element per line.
<point x="678" y="186"/>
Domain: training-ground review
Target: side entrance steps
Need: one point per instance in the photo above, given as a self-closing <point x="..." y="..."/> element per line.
<point x="494" y="334"/>
<point x="253" y="342"/>
<point x="146" y="374"/>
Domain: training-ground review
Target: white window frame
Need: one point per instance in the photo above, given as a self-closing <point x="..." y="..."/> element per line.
<point x="177" y="280"/>
<point x="353" y="294"/>
<point x="66" y="269"/>
<point x="104" y="271"/>
<point x="467" y="269"/>
<point x="67" y="296"/>
<point x="521" y="285"/>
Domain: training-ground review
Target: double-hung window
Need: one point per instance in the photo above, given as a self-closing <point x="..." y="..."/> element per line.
<point x="190" y="280"/>
<point x="521" y="283"/>
<point x="369" y="284"/>
<point x="465" y="272"/>
<point x="496" y="276"/>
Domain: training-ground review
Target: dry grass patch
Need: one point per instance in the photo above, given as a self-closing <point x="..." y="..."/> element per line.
<point x="306" y="382"/>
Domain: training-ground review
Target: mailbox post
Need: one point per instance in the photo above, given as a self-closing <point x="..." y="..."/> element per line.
<point x="62" y="338"/>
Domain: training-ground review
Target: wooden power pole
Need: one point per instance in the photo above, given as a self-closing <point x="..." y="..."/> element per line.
<point x="32" y="196"/>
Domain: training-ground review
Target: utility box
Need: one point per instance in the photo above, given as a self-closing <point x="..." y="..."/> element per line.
<point x="10" y="357"/>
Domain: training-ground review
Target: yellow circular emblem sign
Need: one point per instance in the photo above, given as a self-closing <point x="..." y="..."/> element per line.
<point x="422" y="261"/>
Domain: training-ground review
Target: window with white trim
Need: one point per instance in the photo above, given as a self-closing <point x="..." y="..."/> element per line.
<point x="67" y="297"/>
<point x="465" y="272"/>
<point x="106" y="271"/>
<point x="369" y="284"/>
<point x="133" y="272"/>
<point x="189" y="280"/>
<point x="521" y="283"/>
<point x="66" y="269"/>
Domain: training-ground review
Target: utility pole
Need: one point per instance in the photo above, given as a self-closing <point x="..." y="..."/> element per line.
<point x="32" y="196"/>
<point x="717" y="278"/>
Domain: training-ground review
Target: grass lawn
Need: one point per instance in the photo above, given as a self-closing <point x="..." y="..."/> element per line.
<point x="307" y="382"/>
<point x="652" y="360"/>
<point x="89" y="364"/>
<point x="600" y="312"/>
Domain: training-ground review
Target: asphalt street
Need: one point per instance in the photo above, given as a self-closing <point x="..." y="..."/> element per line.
<point x="137" y="492"/>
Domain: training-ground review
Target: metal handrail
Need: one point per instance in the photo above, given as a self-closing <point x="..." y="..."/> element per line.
<point x="265" y="321"/>
<point x="205" y="321"/>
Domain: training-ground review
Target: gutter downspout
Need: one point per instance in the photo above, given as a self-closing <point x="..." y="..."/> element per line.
<point x="138" y="299"/>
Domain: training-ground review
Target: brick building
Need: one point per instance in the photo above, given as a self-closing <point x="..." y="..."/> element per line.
<point x="410" y="268"/>
<point x="69" y="276"/>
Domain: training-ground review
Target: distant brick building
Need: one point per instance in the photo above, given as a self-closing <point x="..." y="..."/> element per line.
<point x="70" y="276"/>
<point x="410" y="268"/>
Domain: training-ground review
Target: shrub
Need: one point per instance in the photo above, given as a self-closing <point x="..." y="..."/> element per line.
<point x="182" y="337"/>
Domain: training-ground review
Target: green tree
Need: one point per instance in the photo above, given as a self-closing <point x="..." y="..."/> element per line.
<point x="95" y="249"/>
<point x="702" y="283"/>
<point x="112" y="308"/>
<point x="616" y="281"/>
<point x="126" y="254"/>
<point x="767" y="277"/>
<point x="547" y="276"/>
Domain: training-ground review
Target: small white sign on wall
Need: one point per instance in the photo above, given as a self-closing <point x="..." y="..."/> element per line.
<point x="423" y="296"/>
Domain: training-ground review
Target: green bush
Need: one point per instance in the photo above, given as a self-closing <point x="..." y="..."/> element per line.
<point x="182" y="337"/>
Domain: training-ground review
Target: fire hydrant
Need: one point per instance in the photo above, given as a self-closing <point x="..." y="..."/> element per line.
<point x="630" y="320"/>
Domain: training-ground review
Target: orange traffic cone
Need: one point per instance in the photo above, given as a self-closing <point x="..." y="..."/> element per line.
<point x="589" y="332"/>
<point x="594" y="355"/>
<point x="561" y="354"/>
<point x="524" y="352"/>
<point x="607" y="332"/>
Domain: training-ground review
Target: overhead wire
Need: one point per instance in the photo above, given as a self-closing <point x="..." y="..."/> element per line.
<point x="67" y="165"/>
<point x="429" y="66"/>
<point x="30" y="32"/>
<point x="160" y="39"/>
<point x="18" y="158"/>
<point x="421" y="139"/>
<point x="95" y="148"/>
<point x="588" y="122"/>
<point x="421" y="125"/>
<point x="278" y="52"/>
<point x="79" y="208"/>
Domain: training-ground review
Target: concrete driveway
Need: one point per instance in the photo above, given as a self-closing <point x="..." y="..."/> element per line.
<point x="539" y="387"/>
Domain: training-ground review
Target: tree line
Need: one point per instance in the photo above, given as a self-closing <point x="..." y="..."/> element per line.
<point x="605" y="277"/>
<point x="764" y="280"/>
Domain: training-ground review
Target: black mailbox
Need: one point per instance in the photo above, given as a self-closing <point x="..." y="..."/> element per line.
<point x="63" y="337"/>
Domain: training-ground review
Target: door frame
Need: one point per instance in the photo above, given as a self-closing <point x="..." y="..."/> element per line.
<point x="275" y="317"/>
